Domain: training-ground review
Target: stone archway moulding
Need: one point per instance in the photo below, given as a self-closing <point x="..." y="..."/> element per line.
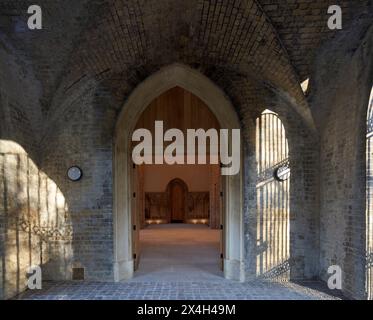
<point x="142" y="96"/>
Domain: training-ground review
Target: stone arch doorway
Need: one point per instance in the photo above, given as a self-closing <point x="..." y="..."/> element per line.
<point x="177" y="191"/>
<point x="124" y="224"/>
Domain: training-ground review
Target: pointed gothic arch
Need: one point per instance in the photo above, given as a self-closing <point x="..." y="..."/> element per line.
<point x="215" y="99"/>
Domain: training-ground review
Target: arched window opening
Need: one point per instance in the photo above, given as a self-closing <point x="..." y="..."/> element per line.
<point x="273" y="173"/>
<point x="305" y="85"/>
<point x="369" y="201"/>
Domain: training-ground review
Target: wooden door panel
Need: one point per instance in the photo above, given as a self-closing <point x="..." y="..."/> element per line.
<point x="177" y="192"/>
<point x="177" y="202"/>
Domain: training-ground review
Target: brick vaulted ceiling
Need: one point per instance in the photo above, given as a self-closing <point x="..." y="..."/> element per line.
<point x="248" y="43"/>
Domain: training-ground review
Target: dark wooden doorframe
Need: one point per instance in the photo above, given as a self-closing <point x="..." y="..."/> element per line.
<point x="173" y="203"/>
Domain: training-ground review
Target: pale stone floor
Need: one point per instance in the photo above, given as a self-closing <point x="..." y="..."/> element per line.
<point x="180" y="262"/>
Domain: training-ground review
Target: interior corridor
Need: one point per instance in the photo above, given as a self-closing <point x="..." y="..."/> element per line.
<point x="170" y="252"/>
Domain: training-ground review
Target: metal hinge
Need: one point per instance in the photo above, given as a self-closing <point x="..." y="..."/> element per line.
<point x="221" y="256"/>
<point x="221" y="227"/>
<point x="221" y="194"/>
<point x="134" y="194"/>
<point x="134" y="256"/>
<point x="134" y="227"/>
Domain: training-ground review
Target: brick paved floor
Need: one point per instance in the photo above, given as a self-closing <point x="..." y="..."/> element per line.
<point x="179" y="262"/>
<point x="222" y="290"/>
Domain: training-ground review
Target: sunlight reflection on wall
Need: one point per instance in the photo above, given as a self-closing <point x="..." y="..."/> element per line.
<point x="35" y="227"/>
<point x="272" y="199"/>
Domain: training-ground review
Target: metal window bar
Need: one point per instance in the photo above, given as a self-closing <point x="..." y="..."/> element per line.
<point x="272" y="198"/>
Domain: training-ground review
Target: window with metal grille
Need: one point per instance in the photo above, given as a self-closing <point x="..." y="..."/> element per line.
<point x="273" y="183"/>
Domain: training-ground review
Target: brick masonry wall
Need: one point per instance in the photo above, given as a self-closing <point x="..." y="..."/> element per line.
<point x="62" y="109"/>
<point x="20" y="127"/>
<point x="340" y="92"/>
<point x="65" y="229"/>
<point x="20" y="114"/>
<point x="83" y="137"/>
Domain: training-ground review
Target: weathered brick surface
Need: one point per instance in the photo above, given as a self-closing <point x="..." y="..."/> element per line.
<point x="84" y="137"/>
<point x="19" y="92"/>
<point x="341" y="108"/>
<point x="62" y="88"/>
<point x="302" y="28"/>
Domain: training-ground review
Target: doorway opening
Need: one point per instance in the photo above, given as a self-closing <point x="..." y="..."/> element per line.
<point x="128" y="183"/>
<point x="180" y="201"/>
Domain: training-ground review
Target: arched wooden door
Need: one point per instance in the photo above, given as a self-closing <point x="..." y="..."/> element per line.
<point x="177" y="198"/>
